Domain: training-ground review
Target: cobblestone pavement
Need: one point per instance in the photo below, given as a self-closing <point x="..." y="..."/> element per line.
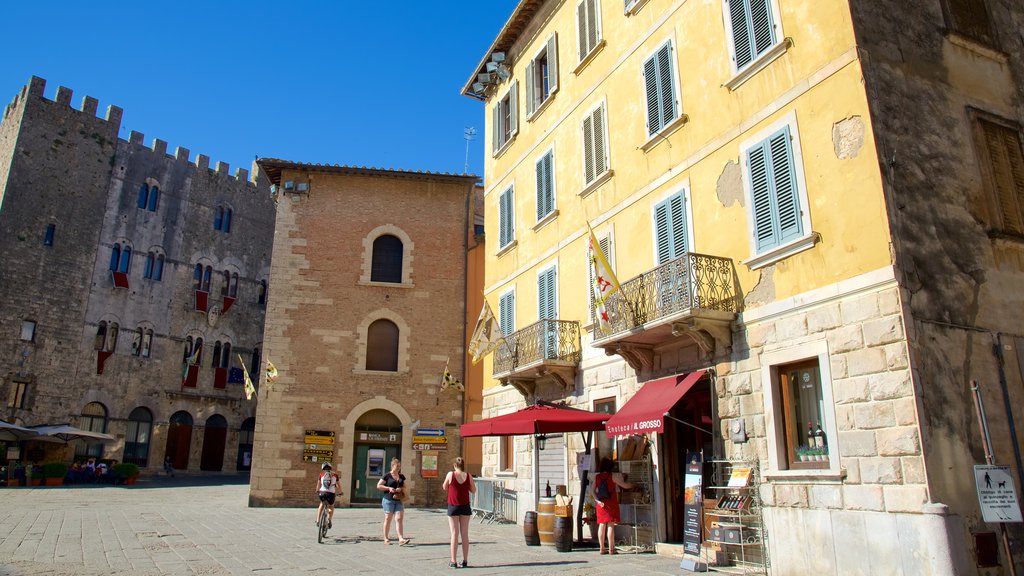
<point x="179" y="526"/>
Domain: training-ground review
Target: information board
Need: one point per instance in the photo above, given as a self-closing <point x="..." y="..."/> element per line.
<point x="692" y="499"/>
<point x="996" y="494"/>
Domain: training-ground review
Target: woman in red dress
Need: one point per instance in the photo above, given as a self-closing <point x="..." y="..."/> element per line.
<point x="607" y="509"/>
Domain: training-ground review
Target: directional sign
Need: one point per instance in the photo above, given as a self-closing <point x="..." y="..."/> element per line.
<point x="430" y="439"/>
<point x="996" y="494"/>
<point x="430" y="432"/>
<point x="429" y="446"/>
<point x="319" y="437"/>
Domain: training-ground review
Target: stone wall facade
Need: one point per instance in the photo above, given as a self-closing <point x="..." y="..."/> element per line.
<point x="324" y="303"/>
<point x="69" y="170"/>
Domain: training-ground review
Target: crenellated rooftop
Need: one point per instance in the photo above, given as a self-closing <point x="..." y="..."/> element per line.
<point x="36" y="87"/>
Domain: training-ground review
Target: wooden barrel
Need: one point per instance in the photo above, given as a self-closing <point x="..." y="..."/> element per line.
<point x="546" y="520"/>
<point x="563" y="533"/>
<point x="530" y="529"/>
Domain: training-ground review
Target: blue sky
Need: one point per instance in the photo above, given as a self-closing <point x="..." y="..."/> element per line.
<point x="358" y="83"/>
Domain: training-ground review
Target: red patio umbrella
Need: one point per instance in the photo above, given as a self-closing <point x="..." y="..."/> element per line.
<point x="538" y="419"/>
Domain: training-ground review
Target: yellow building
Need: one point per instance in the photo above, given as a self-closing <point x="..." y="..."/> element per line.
<point x="728" y="156"/>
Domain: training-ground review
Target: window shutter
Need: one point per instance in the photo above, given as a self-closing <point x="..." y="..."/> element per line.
<point x="552" y="63"/>
<point x="505" y="226"/>
<point x="581" y="29"/>
<point x="600" y="150"/>
<point x="531" y="88"/>
<point x="761" y="25"/>
<point x="663" y="231"/>
<point x="651" y="84"/>
<point x="761" y="198"/>
<point x="1005" y="156"/>
<point x="513" y="102"/>
<point x="665" y="85"/>
<point x="496" y="128"/>
<point x="546" y="301"/>
<point x="740" y="32"/>
<point x="506" y="313"/>
<point x="589" y="169"/>
<point x="593" y="30"/>
<point x="545" y="186"/>
<point x="677" y="215"/>
<point x="969" y="17"/>
<point x="783" y="179"/>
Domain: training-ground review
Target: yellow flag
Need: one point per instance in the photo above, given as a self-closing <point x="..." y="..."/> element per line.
<point x="604" y="281"/>
<point x="271" y="373"/>
<point x="486" y="336"/>
<point x="249" y="388"/>
<point x="449" y="381"/>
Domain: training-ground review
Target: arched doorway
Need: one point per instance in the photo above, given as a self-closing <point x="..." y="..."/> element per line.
<point x="214" y="438"/>
<point x="245" y="435"/>
<point x="179" y="439"/>
<point x="136" y="438"/>
<point x="378" y="439"/>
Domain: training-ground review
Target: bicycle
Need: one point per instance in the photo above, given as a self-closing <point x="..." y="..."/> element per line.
<point x="321" y="526"/>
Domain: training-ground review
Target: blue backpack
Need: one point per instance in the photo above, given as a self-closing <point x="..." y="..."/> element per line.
<point x="601" y="489"/>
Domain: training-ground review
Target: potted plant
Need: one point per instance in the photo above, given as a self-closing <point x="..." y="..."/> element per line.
<point x="804" y="452"/>
<point x="54" y="473"/>
<point x="126" y="472"/>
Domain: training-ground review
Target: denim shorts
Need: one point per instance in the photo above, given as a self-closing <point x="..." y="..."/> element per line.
<point x="391" y="506"/>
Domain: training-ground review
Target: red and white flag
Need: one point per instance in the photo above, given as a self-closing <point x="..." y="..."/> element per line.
<point x="604" y="282"/>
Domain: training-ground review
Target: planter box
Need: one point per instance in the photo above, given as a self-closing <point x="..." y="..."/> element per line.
<point x="54" y="481"/>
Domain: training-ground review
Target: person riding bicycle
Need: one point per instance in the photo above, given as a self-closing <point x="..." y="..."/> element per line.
<point x="326" y="490"/>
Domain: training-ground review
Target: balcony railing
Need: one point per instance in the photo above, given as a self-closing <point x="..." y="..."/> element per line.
<point x="690" y="282"/>
<point x="546" y="340"/>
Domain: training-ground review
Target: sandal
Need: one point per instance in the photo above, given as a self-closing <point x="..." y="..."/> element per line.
<point x="453" y="565"/>
<point x="388" y="542"/>
<point x="403" y="541"/>
<point x="464" y="564"/>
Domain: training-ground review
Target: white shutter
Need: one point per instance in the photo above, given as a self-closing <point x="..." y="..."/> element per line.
<point x="496" y="128"/>
<point x="531" y="88"/>
<point x="513" y="102"/>
<point x="553" y="63"/>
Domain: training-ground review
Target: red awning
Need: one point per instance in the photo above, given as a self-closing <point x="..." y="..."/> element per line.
<point x="645" y="411"/>
<point x="536" y="420"/>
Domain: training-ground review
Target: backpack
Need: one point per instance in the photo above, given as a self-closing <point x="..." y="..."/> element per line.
<point x="325" y="481"/>
<point x="601" y="489"/>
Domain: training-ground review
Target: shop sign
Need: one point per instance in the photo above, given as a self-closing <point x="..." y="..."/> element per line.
<point x="430" y="439"/>
<point x="319" y="437"/>
<point x="996" y="494"/>
<point x="692" y="498"/>
<point x="390" y="437"/>
<point x="424" y="446"/>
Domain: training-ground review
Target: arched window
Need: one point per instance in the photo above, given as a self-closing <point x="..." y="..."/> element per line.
<point x="193" y="351"/>
<point x="181" y="418"/>
<point x="207" y="274"/>
<point x="227" y="221"/>
<point x="158" y="268"/>
<point x="147" y="343"/>
<point x="387" y="259"/>
<point x="225" y="356"/>
<point x="143" y="196"/>
<point x="382" y="346"/>
<point x="224" y="290"/>
<point x="154" y="198"/>
<point x="147" y="271"/>
<point x="93" y="419"/>
<point x="245" y="440"/>
<point x="111" y="337"/>
<point x="233" y="288"/>
<point x="215" y="363"/>
<point x="115" y="257"/>
<point x="137" y="337"/>
<point x="218" y="217"/>
<point x="126" y="259"/>
<point x="255" y="367"/>
<point x="263" y="293"/>
<point x="136" y="438"/>
<point x="101" y="336"/>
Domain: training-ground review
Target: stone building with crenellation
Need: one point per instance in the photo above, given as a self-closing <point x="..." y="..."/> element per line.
<point x="134" y="286"/>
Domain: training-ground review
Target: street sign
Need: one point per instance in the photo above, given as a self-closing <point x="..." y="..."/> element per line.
<point x="430" y="439"/>
<point x="429" y="446"/>
<point x="996" y="494"/>
<point x="319" y="437"/>
<point x="430" y="432"/>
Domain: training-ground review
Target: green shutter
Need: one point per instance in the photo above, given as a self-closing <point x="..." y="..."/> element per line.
<point x="506" y="227"/>
<point x="666" y="88"/>
<point x="545" y="186"/>
<point x="783" y="178"/>
<point x="670" y="227"/>
<point x="547" y="305"/>
<point x="651" y="86"/>
<point x="762" y="27"/>
<point x="506" y="312"/>
<point x="741" y="41"/>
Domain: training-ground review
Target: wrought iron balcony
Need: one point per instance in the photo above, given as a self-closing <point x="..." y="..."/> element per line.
<point x="544" y="350"/>
<point x="694" y="295"/>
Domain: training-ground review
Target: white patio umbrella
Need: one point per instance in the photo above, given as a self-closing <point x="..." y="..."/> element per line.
<point x="13" y="433"/>
<point x="68" y="433"/>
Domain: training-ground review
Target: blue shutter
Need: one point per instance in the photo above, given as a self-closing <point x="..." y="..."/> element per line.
<point x="761" y="198"/>
<point x="506" y="228"/>
<point x="670" y="227"/>
<point x="154" y="195"/>
<point x="651" y="84"/>
<point x="761" y="26"/>
<point x="143" y="195"/>
<point x="506" y="312"/>
<point x="775" y="197"/>
<point x="784" y="182"/>
<point x="547" y="305"/>
<point x="742" y="44"/>
<point x="545" y="186"/>
<point x="666" y="88"/>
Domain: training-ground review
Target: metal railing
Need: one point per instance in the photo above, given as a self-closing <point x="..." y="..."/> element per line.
<point x="543" y="340"/>
<point x="691" y="281"/>
<point x="493" y="502"/>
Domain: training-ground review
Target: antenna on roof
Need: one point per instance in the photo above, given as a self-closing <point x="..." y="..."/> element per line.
<point x="468" y="133"/>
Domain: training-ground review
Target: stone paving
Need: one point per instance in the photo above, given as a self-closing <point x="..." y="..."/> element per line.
<point x="180" y="526"/>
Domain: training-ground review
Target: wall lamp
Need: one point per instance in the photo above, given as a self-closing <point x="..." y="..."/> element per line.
<point x="542" y="440"/>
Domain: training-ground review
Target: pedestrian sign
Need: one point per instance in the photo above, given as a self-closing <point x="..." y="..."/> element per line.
<point x="996" y="494"/>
